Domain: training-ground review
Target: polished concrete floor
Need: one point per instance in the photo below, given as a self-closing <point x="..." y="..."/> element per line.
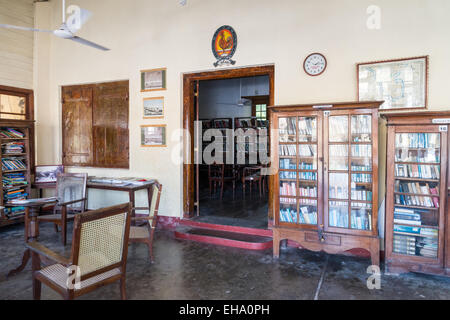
<point x="189" y="270"/>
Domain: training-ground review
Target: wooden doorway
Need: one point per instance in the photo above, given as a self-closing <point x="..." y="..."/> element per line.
<point x="190" y="82"/>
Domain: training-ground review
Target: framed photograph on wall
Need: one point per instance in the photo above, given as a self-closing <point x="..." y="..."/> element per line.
<point x="401" y="83"/>
<point x="154" y="108"/>
<point x="153" y="80"/>
<point x="47" y="173"/>
<point x="153" y="135"/>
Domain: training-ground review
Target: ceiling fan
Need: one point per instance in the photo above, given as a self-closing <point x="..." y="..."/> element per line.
<point x="67" y="29"/>
<point x="242" y="102"/>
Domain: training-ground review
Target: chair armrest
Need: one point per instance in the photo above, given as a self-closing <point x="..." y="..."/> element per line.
<point x="70" y="202"/>
<point x="46" y="252"/>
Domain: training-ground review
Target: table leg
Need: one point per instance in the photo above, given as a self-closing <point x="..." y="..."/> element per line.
<point x="133" y="204"/>
<point x="25" y="259"/>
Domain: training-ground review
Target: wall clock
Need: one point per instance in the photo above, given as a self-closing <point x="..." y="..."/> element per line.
<point x="315" y="64"/>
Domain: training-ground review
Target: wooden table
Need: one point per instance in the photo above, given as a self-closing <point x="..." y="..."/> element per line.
<point x="31" y="232"/>
<point x="131" y="189"/>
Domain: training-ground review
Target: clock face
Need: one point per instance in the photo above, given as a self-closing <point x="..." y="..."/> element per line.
<point x="315" y="64"/>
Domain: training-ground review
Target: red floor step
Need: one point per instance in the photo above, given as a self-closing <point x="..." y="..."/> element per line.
<point x="214" y="235"/>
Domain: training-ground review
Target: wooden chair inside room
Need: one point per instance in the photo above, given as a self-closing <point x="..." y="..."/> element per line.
<point x="218" y="175"/>
<point x="252" y="175"/>
<point x="99" y="255"/>
<point x="71" y="195"/>
<point x="145" y="233"/>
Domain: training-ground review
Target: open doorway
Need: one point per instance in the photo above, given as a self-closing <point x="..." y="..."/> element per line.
<point x="231" y="192"/>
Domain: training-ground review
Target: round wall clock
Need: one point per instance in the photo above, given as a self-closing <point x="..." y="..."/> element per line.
<point x="315" y="64"/>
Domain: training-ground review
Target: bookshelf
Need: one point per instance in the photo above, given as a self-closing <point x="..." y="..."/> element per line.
<point x="416" y="234"/>
<point x="17" y="164"/>
<point x="326" y="186"/>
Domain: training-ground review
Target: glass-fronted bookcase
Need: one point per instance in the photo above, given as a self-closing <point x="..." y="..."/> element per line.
<point x="325" y="189"/>
<point x="417" y="192"/>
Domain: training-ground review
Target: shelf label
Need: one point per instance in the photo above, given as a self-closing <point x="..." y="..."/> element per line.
<point x="325" y="106"/>
<point x="441" y="121"/>
<point x="443" y="128"/>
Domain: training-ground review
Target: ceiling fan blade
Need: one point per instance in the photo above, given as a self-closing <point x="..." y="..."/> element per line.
<point x="73" y="25"/>
<point x="88" y="43"/>
<point x="9" y="26"/>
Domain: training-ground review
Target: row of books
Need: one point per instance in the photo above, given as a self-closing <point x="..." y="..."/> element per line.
<point x="14" y="193"/>
<point x="338" y="192"/>
<point x="13" y="147"/>
<point x="362" y="150"/>
<point x="416" y="246"/>
<point x="13" y="179"/>
<point x="11" y="133"/>
<point x="14" y="211"/>
<point x="338" y="214"/>
<point x="361" y="177"/>
<point x="361" y="128"/>
<point x="13" y="164"/>
<point x="361" y="168"/>
<point x="422" y="156"/>
<point x="288" y="201"/>
<point x="306" y="150"/>
<point x="338" y="126"/>
<point x="423" y="232"/>
<point x="222" y="124"/>
<point x="288" y="215"/>
<point x="364" y="195"/>
<point x="287" y="128"/>
<point x="244" y="123"/>
<point x="306" y="166"/>
<point x="308" y="176"/>
<point x="420" y="201"/>
<point x="287" y="150"/>
<point x="361" y="219"/>
<point x="288" y="189"/>
<point x="408" y="216"/>
<point x="417" y="188"/>
<point x="307" y="129"/>
<point x="417" y="140"/>
<point x="308" y="215"/>
<point x="308" y="192"/>
<point x="417" y="171"/>
<point x="288" y="175"/>
<point x="287" y="164"/>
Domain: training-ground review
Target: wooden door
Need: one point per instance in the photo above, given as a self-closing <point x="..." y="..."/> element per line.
<point x="110" y="125"/>
<point x="416" y="194"/>
<point x="351" y="171"/>
<point x="77" y="125"/>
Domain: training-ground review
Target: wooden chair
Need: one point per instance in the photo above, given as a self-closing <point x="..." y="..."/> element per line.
<point x="145" y="234"/>
<point x="71" y="195"/>
<point x="219" y="174"/>
<point x="252" y="175"/>
<point x="99" y="255"/>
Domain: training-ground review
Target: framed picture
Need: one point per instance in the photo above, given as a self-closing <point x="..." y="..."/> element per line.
<point x="47" y="174"/>
<point x="153" y="135"/>
<point x="401" y="83"/>
<point x="154" y="108"/>
<point x="153" y="80"/>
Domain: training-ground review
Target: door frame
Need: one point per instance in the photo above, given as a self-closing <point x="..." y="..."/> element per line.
<point x="189" y="80"/>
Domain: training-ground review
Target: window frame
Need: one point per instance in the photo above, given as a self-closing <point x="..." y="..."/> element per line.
<point x="23" y="93"/>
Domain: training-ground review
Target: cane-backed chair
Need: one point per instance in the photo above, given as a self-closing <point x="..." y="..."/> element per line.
<point x="252" y="175"/>
<point x="99" y="255"/>
<point x="71" y="195"/>
<point x="145" y="233"/>
<point x="218" y="175"/>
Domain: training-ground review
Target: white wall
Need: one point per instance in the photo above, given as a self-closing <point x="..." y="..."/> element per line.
<point x="16" y="46"/>
<point x="146" y="34"/>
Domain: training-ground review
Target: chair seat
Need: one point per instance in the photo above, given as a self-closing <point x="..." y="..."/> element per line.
<point x="253" y="177"/>
<point x="139" y="232"/>
<point x="55" y="217"/>
<point x="58" y="274"/>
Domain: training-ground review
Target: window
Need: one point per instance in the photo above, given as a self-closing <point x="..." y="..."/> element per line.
<point x="16" y="103"/>
<point x="95" y="125"/>
<point x="261" y="112"/>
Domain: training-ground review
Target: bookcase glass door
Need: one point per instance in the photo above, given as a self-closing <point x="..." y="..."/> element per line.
<point x="416" y="194"/>
<point x="350" y="183"/>
<point x="298" y="169"/>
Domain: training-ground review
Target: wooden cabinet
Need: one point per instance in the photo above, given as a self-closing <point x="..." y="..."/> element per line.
<point x="16" y="153"/>
<point x="417" y="236"/>
<point x="326" y="186"/>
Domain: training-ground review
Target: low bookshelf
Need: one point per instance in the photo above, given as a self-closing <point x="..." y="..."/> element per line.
<point x="17" y="164"/>
<point x="417" y="238"/>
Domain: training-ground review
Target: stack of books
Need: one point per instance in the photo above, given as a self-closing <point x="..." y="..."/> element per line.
<point x="14" y="194"/>
<point x="408" y="216"/>
<point x="11" y="133"/>
<point x="404" y="244"/>
<point x="13" y="179"/>
<point x="13" y="164"/>
<point x="13" y="147"/>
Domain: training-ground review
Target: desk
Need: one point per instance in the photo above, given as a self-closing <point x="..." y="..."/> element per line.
<point x="131" y="189"/>
<point x="31" y="228"/>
